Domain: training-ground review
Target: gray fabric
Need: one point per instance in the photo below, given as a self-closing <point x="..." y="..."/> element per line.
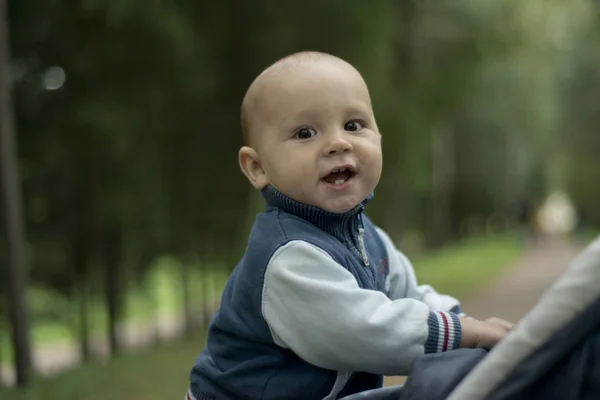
<point x="570" y="296"/>
<point x="574" y="377"/>
<point x="565" y="367"/>
<point x="386" y="393"/>
<point x="591" y="387"/>
<point x="434" y="376"/>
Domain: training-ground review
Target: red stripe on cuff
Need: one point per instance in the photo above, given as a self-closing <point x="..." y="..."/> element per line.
<point x="446" y="332"/>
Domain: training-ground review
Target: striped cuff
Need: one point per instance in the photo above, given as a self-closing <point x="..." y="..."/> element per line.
<point x="456" y="310"/>
<point x="190" y="396"/>
<point x="445" y="332"/>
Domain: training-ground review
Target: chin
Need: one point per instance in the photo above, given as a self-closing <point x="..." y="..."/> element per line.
<point x="340" y="207"/>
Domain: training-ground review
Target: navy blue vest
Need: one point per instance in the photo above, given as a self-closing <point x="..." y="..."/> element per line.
<point x="241" y="360"/>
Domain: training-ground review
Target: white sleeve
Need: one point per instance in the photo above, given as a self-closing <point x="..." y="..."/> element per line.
<point x="315" y="307"/>
<point x="403" y="282"/>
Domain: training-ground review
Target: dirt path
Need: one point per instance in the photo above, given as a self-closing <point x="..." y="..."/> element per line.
<point x="512" y="295"/>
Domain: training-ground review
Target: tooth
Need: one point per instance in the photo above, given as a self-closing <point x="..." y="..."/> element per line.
<point x="339" y="181"/>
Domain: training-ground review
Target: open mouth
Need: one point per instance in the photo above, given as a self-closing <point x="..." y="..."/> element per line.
<point x="339" y="176"/>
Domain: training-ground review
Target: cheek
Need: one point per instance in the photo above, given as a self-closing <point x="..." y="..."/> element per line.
<point x="287" y="170"/>
<point x="373" y="156"/>
<point x="275" y="163"/>
<point x="376" y="169"/>
<point x="374" y="164"/>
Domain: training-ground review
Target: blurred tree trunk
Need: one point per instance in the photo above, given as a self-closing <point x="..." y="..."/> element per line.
<point x="84" y="324"/>
<point x="79" y="260"/>
<point x="80" y="236"/>
<point x="13" y="214"/>
<point x="185" y="284"/>
<point x="114" y="292"/>
<point x="207" y="293"/>
<point x="2" y="331"/>
<point x="83" y="237"/>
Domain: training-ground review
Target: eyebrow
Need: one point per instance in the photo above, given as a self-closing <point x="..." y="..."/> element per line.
<point x="360" y="108"/>
<point x="364" y="110"/>
<point x="296" y="118"/>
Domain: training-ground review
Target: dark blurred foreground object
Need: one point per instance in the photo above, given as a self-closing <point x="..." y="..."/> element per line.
<point x="554" y="352"/>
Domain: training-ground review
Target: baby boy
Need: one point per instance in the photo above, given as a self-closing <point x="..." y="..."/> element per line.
<point x="322" y="304"/>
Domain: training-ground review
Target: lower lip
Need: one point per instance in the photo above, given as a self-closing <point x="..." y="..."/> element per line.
<point x="341" y="185"/>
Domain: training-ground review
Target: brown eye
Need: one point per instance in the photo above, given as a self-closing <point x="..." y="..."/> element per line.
<point x="305" y="133"/>
<point x="353" y="126"/>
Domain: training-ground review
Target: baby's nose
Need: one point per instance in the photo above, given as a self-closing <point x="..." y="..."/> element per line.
<point x="339" y="145"/>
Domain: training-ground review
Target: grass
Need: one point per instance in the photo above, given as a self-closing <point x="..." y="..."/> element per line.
<point x="162" y="372"/>
<point x="461" y="268"/>
<point x="158" y="373"/>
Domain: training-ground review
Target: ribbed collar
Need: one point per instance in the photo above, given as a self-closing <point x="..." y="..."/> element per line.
<point x="339" y="225"/>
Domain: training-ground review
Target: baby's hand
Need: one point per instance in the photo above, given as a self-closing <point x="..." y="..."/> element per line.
<point x="484" y="334"/>
<point x="498" y="321"/>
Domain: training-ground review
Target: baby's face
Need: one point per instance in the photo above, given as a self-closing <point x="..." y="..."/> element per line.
<point x="317" y="138"/>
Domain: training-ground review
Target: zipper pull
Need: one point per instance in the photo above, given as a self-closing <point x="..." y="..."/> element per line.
<point x="361" y="245"/>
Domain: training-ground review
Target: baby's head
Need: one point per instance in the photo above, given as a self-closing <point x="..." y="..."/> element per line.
<point x="310" y="132"/>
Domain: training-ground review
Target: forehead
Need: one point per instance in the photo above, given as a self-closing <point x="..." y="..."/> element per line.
<point x="311" y="87"/>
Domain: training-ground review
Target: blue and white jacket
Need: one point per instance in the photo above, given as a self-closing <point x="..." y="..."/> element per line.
<point x="320" y="306"/>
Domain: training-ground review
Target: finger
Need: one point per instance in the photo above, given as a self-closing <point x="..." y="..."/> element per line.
<point x="505" y="324"/>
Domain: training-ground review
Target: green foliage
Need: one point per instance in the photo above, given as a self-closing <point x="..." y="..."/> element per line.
<point x="141" y="140"/>
<point x="579" y="142"/>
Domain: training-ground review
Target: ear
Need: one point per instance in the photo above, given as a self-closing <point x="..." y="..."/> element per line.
<point x="251" y="167"/>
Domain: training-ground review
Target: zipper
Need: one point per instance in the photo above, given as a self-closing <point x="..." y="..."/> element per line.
<point x="361" y="243"/>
